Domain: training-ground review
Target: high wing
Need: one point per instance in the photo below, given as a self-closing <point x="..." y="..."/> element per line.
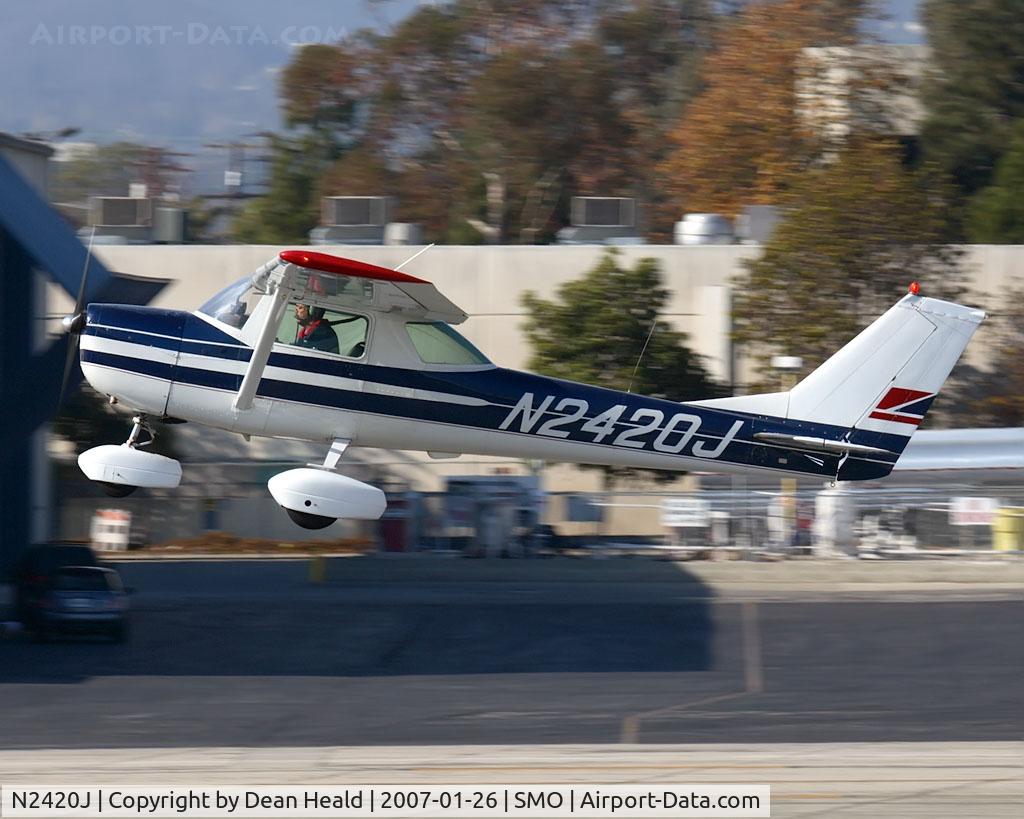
<point x="331" y="281"/>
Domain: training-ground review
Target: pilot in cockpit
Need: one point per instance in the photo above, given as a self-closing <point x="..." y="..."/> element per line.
<point x="313" y="330"/>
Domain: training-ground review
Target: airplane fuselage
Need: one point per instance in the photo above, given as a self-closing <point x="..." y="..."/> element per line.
<point x="176" y="364"/>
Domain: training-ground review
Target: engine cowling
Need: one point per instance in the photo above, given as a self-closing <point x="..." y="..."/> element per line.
<point x="315" y="498"/>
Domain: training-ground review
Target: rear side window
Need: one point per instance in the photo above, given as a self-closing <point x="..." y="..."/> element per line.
<point x="437" y="343"/>
<point x="80" y="580"/>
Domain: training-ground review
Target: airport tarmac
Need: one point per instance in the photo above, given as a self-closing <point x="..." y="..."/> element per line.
<point x="853" y="689"/>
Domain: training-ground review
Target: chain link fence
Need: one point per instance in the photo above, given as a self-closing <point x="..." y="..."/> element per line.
<point x="496" y="517"/>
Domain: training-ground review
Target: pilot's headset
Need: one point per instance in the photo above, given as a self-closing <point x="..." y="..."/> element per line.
<point x="316" y="287"/>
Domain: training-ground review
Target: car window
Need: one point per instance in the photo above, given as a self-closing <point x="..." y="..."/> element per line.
<point x="80" y="580"/>
<point x="45" y="559"/>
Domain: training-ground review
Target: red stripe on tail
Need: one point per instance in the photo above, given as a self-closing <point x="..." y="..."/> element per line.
<point x="898" y="395"/>
<point x="900" y="419"/>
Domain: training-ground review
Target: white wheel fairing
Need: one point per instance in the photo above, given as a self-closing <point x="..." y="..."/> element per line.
<point x="131" y="467"/>
<point x="327" y="494"/>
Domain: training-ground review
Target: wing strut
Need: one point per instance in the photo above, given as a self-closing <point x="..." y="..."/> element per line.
<point x="261" y="352"/>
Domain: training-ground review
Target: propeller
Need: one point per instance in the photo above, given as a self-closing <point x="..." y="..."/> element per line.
<point x="74" y="323"/>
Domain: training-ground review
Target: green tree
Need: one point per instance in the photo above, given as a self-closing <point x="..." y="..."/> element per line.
<point x="489" y="115"/>
<point x="289" y="209"/>
<point x="989" y="394"/>
<point x="856" y="233"/>
<point x="996" y="214"/>
<point x="606" y="329"/>
<point x="976" y="90"/>
<point x="555" y="135"/>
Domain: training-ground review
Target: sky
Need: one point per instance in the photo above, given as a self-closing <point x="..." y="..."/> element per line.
<point x="187" y="73"/>
<point x="184" y="71"/>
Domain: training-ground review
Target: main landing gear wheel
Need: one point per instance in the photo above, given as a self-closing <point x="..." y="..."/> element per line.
<point x="117" y="490"/>
<point x="307" y="520"/>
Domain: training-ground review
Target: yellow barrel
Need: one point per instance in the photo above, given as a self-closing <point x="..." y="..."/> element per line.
<point x="317" y="569"/>
<point x="1008" y="529"/>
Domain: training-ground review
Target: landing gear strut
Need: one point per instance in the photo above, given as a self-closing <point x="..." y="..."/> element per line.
<point x="140" y="425"/>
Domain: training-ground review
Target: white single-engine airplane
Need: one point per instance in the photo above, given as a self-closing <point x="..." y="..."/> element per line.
<point x="320" y="348"/>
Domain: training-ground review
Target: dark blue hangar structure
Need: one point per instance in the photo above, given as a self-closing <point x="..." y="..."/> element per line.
<point x="36" y="243"/>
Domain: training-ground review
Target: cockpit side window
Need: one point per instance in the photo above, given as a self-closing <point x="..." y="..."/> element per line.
<point x="437" y="343"/>
<point x="330" y="331"/>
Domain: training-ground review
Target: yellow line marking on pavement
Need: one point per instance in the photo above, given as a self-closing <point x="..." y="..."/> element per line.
<point x="630" y="732"/>
<point x="753" y="678"/>
<point x="753" y="674"/>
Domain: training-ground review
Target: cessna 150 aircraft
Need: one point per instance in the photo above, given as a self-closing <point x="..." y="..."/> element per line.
<point x="320" y="348"/>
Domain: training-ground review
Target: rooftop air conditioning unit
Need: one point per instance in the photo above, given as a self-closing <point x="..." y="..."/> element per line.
<point x="603" y="211"/>
<point x="352" y="211"/>
<point x="120" y="211"/>
<point x="601" y="220"/>
<point x="352" y="220"/>
<point x="704" y="229"/>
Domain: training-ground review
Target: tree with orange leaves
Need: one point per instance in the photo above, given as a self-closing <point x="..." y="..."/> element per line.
<point x="742" y="139"/>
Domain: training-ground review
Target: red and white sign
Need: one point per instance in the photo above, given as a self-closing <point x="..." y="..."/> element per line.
<point x="972" y="511"/>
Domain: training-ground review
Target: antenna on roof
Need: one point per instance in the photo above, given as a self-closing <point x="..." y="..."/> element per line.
<point x="414" y="255"/>
<point x="654" y="325"/>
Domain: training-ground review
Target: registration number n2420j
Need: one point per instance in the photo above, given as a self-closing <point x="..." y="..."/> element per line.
<point x="646" y="428"/>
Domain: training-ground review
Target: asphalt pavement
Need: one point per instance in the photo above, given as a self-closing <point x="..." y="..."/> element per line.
<point x="453" y="652"/>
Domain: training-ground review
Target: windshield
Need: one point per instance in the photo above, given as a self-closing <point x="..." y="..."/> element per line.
<point x="233" y="305"/>
<point x="437" y="343"/>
